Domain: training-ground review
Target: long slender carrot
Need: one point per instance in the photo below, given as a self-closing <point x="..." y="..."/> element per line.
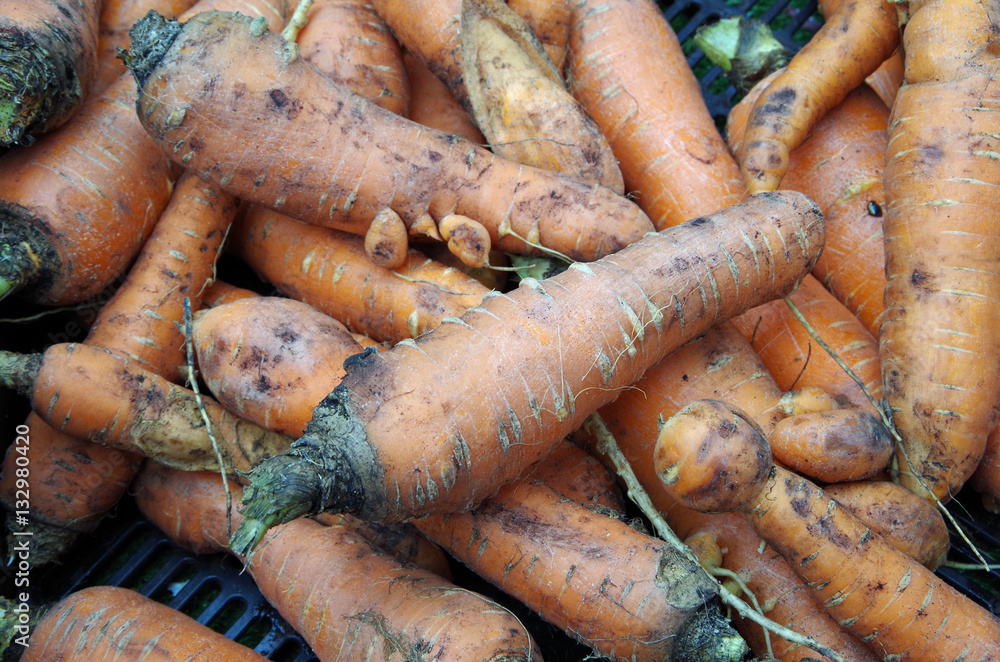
<point x="348" y="40"/>
<point x="671" y="154"/>
<point x="855" y="39"/>
<point x="330" y="270"/>
<point x="613" y="588"/>
<point x="91" y="393"/>
<point x="391" y="162"/>
<point x="111" y="623"/>
<point x="937" y="349"/>
<point x="896" y="605"/>
<point x="541" y="365"/>
<point x="840" y="166"/>
<point x="48" y="63"/>
<point x="271" y="360"/>
<point x="83" y="480"/>
<point x="346" y="598"/>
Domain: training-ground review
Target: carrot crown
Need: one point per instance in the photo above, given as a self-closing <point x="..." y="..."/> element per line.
<point x="151" y="37"/>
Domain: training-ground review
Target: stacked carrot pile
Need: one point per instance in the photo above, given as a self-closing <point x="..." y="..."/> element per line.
<point x="502" y="248"/>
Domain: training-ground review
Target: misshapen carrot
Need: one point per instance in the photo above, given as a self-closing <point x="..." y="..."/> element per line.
<point x="346" y="598"/>
<point x="671" y="154"/>
<point x="855" y="39"/>
<point x="330" y="270"/>
<point x="271" y="360"/>
<point x="840" y="166"/>
<point x="938" y="347"/>
<point x="391" y="162"/>
<point x="896" y="605"/>
<point x="115" y="624"/>
<point x="48" y="64"/>
<point x="483" y="396"/>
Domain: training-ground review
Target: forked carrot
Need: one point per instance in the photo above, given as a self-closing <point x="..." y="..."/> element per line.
<point x="855" y="39"/>
<point x="48" y="64"/>
<point x="391" y="163"/>
<point x="117" y="624"/>
<point x="346" y="598"/>
<point x="671" y="155"/>
<point x="896" y="605"/>
<point x="541" y="365"/>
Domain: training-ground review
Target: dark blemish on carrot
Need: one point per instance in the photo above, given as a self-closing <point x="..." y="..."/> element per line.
<point x="65" y="12"/>
<point x="701" y="220"/>
<point x="681" y="264"/>
<point x="262" y="384"/>
<point x="210" y="85"/>
<point x="919" y="278"/>
<point x="239" y="89"/>
<point x="280" y="101"/>
<point x="435" y="156"/>
<point x="286" y="333"/>
<point x="278" y="98"/>
<point x="874" y="209"/>
<point x="727" y="429"/>
<point x="684" y="378"/>
<point x="800" y="505"/>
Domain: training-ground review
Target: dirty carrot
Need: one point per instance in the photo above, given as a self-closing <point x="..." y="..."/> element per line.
<point x="840" y="166"/>
<point x="549" y="20"/>
<point x="540" y="364"/>
<point x="796" y="360"/>
<point x="894" y="604"/>
<point x="907" y="522"/>
<point x="346" y="598"/>
<point x="91" y="393"/>
<point x="391" y="163"/>
<point x="330" y="270"/>
<point x="433" y="105"/>
<point x="48" y="63"/>
<point x="942" y="297"/>
<point x="851" y="44"/>
<point x="271" y="360"/>
<point x="670" y="152"/>
<point x="112" y="623"/>
<point x="623" y="593"/>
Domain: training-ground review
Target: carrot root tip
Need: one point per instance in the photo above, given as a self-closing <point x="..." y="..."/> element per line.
<point x="18" y="372"/>
<point x="709" y="636"/>
<point x="151" y="37"/>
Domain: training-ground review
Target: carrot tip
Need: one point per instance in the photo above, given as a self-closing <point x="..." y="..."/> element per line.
<point x="19" y="371"/>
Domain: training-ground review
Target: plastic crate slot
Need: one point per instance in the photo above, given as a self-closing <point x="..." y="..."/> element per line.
<point x="195" y="601"/>
<point x="228" y="614"/>
<point x="175" y="581"/>
<point x="288" y="651"/>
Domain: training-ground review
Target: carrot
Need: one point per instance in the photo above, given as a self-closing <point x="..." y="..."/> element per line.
<point x="82" y="480"/>
<point x="349" y="41"/>
<point x="392" y="162"/>
<point x="433" y="105"/>
<point x="220" y="292"/>
<point x="832" y="446"/>
<point x="840" y="167"/>
<point x="271" y="360"/>
<point x="650" y="297"/>
<point x="721" y="364"/>
<point x="896" y="605"/>
<point x="90" y="393"/>
<point x="626" y="595"/>
<point x="549" y="20"/>
<point x="520" y="102"/>
<point x="48" y="63"/>
<point x="113" y="623"/>
<point x="347" y="599"/>
<point x="796" y="360"/>
<point x="937" y="351"/>
<point x="855" y="39"/>
<point x="907" y="522"/>
<point x="670" y="153"/>
<point x="330" y="270"/>
<point x="117" y="18"/>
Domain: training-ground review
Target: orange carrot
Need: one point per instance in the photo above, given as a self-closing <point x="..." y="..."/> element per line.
<point x="271" y="360"/>
<point x="392" y="162"/>
<point x="349" y="41"/>
<point x="840" y="167"/>
<point x="896" y="605"/>
<point x="111" y="623"/>
<point x="90" y="393"/>
<point x="650" y="297"/>
<point x="347" y="599"/>
<point x="433" y="105"/>
<point x="907" y="522"/>
<point x="613" y="588"/>
<point x="937" y="348"/>
<point x="550" y="21"/>
<point x="794" y="357"/>
<point x="671" y="154"/>
<point x="330" y="271"/>
<point x="221" y="292"/>
<point x="48" y="63"/>
<point x="855" y="39"/>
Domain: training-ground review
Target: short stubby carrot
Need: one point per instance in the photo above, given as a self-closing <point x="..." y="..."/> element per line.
<point x="390" y="162"/>
<point x="902" y="610"/>
<point x="856" y="38"/>
<point x="482" y="396"/>
<point x="670" y="152"/>
<point x="938" y="345"/>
